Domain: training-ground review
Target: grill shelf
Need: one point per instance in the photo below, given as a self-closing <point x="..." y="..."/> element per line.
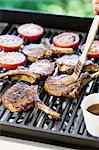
<point x="36" y="125"/>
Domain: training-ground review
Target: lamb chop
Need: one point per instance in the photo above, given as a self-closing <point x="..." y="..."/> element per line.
<point x="55" y="49"/>
<point x="56" y="85"/>
<point x="21" y="96"/>
<point x="67" y="64"/>
<point x="41" y="68"/>
<point x="74" y="89"/>
<point x="21" y="74"/>
<point x="35" y="52"/>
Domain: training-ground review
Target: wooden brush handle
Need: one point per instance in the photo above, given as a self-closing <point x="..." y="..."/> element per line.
<point x="90" y="38"/>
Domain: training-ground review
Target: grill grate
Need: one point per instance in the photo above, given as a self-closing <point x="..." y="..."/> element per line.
<point x="71" y="123"/>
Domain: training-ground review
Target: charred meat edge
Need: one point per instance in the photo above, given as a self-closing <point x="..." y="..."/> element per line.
<point x="72" y="90"/>
<point x="25" y="75"/>
<point x="31" y="99"/>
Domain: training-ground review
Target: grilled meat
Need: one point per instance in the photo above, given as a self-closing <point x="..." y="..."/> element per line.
<point x="67" y="64"/>
<point x="91" y="66"/>
<point x="60" y="50"/>
<point x="22" y="75"/>
<point x="35" y="52"/>
<point x="73" y="90"/>
<point x="57" y="50"/>
<point x="42" y="67"/>
<point x="21" y="96"/>
<point x="57" y="85"/>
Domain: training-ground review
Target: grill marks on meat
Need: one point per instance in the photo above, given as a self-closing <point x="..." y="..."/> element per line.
<point x="21" y="75"/>
<point x="56" y="86"/>
<point x="21" y="96"/>
<point x="90" y="67"/>
<point x="57" y="50"/>
<point x="42" y="67"/>
<point x="35" y="52"/>
<point x="23" y="78"/>
<point x="17" y="97"/>
<point x="67" y="64"/>
<point x="74" y="89"/>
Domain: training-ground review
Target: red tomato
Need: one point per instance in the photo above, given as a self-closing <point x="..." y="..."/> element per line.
<point x="66" y="40"/>
<point x="10" y="42"/>
<point x="11" y="60"/>
<point x="30" y="31"/>
<point x="94" y="50"/>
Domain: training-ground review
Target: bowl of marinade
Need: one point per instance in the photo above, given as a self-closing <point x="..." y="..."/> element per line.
<point x="90" y="109"/>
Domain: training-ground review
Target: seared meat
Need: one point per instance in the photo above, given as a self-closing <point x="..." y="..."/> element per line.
<point x="91" y="66"/>
<point x="57" y="50"/>
<point x="67" y="64"/>
<point x="57" y="85"/>
<point x="21" y="96"/>
<point x="73" y="90"/>
<point x="35" y="52"/>
<point x="42" y="67"/>
<point x="22" y="75"/>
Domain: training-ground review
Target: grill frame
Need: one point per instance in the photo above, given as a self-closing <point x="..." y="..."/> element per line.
<point x="45" y="19"/>
<point x="34" y="133"/>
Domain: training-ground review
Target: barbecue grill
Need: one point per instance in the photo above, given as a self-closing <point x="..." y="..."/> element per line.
<point x="34" y="124"/>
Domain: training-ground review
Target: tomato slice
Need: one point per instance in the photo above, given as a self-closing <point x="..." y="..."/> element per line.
<point x="10" y="42"/>
<point x="11" y="60"/>
<point x="94" y="50"/>
<point x="66" y="40"/>
<point x="30" y="31"/>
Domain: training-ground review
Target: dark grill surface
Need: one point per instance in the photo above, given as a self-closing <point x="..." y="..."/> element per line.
<point x="35" y="124"/>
